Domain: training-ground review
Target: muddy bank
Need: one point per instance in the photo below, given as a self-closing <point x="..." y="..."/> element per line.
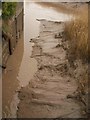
<point x="52" y="91"/>
<point x="10" y="82"/>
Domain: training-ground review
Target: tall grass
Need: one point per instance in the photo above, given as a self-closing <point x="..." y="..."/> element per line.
<point x="76" y="32"/>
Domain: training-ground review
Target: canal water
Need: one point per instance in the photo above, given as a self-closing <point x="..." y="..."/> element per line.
<point x="32" y="12"/>
<point x="28" y="67"/>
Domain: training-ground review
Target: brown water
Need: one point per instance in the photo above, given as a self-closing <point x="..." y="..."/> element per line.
<point x="31" y="30"/>
<point x="28" y="65"/>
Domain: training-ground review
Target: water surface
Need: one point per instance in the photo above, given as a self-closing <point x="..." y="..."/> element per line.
<point x="32" y="12"/>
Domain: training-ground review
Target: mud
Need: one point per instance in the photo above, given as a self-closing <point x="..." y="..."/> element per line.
<point x="51" y="91"/>
<point x="10" y="82"/>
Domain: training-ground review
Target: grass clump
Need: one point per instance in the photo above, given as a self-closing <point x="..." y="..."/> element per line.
<point x="76" y="32"/>
<point x="8" y="10"/>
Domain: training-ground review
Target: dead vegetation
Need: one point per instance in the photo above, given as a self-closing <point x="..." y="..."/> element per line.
<point x="76" y="33"/>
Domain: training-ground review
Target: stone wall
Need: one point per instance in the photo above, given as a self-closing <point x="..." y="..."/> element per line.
<point x="10" y="39"/>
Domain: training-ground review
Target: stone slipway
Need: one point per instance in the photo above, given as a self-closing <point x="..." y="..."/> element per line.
<point x="50" y="94"/>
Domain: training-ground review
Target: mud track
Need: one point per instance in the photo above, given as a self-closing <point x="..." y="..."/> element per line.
<point x="50" y="94"/>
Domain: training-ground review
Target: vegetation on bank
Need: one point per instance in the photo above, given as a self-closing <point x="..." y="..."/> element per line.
<point x="8" y="10"/>
<point x="76" y="32"/>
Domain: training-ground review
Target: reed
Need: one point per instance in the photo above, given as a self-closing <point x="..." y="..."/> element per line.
<point x="76" y="31"/>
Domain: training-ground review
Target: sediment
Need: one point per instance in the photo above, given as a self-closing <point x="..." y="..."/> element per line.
<point x="53" y="90"/>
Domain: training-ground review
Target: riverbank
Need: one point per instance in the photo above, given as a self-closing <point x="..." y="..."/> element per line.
<point x="51" y="92"/>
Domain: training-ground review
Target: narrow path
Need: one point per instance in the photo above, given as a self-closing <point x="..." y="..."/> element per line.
<point x="9" y="78"/>
<point x="48" y="94"/>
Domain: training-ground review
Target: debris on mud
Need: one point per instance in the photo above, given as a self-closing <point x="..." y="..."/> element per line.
<point x="50" y="93"/>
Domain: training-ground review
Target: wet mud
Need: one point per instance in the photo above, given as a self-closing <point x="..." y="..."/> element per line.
<point x="51" y="91"/>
